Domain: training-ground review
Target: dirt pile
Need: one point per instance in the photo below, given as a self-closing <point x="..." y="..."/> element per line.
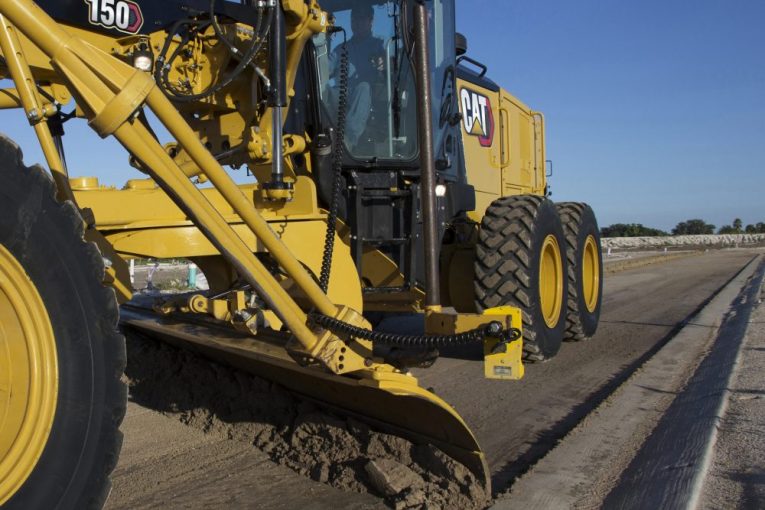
<point x="339" y="451"/>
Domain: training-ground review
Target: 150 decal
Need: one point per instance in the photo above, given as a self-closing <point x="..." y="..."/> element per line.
<point x="122" y="15"/>
<point x="477" y="117"/>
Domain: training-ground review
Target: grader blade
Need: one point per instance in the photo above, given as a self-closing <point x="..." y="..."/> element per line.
<point x="393" y="403"/>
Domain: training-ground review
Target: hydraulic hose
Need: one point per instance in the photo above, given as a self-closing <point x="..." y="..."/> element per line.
<point x="490" y="330"/>
<point x="337" y="169"/>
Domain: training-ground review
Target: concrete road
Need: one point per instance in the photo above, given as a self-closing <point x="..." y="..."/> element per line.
<point x="174" y="466"/>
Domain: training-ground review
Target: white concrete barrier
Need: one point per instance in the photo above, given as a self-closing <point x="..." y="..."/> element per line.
<point x="719" y="241"/>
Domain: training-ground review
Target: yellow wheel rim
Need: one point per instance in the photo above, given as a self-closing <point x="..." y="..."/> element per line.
<point x="551" y="281"/>
<point x="28" y="376"/>
<point x="590" y="274"/>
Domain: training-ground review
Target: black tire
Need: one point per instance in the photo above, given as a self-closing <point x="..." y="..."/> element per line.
<point x="585" y="270"/>
<point x="46" y="239"/>
<point x="513" y="233"/>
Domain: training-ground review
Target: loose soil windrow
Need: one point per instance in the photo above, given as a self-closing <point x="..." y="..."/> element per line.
<point x="295" y="432"/>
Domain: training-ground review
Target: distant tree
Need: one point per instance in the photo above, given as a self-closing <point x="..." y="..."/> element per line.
<point x="727" y="229"/>
<point x="737" y="224"/>
<point x="750" y="229"/>
<point x="760" y="228"/>
<point x="630" y="230"/>
<point x="693" y="228"/>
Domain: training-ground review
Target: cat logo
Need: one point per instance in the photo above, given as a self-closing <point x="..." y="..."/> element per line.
<point x="477" y="118"/>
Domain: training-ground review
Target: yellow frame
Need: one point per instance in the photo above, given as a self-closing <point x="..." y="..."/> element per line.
<point x="110" y="93"/>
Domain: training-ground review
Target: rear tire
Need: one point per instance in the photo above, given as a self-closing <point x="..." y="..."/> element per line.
<point x="41" y="242"/>
<point x="585" y="270"/>
<point x="520" y="262"/>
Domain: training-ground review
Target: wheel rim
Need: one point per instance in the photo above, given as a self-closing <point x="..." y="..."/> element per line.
<point x="590" y="274"/>
<point x="551" y="281"/>
<point x="28" y="376"/>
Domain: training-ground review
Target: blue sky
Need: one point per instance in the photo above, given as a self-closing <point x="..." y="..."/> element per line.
<point x="655" y="109"/>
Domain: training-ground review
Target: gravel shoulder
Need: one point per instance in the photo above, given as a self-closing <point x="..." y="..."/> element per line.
<point x="736" y="478"/>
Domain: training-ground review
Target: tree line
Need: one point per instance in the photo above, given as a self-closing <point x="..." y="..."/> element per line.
<point x="684" y="228"/>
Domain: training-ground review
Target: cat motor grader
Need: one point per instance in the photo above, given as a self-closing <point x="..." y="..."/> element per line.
<point x="388" y="174"/>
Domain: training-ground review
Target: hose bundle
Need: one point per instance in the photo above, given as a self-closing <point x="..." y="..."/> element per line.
<point x="491" y="330"/>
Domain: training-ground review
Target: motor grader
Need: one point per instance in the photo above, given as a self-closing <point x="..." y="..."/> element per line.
<point x="378" y="170"/>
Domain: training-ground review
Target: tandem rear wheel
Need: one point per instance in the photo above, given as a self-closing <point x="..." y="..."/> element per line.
<point x="585" y="269"/>
<point x="61" y="357"/>
<point x="520" y="261"/>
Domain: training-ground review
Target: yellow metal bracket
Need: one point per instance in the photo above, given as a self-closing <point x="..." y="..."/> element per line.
<point x="123" y="105"/>
<point x="233" y="309"/>
<point x="504" y="362"/>
<point x="501" y="360"/>
<point x="338" y="353"/>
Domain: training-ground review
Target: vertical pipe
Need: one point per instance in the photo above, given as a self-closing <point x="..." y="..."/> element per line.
<point x="277" y="97"/>
<point x="277" y="150"/>
<point x="427" y="155"/>
<point x="191" y="279"/>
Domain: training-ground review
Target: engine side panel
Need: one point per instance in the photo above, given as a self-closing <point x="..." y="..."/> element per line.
<point x="503" y="142"/>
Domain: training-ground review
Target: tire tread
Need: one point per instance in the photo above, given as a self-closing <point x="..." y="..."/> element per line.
<point x="71" y="227"/>
<point x="504" y="262"/>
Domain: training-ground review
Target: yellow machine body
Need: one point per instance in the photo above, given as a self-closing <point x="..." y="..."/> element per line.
<point x="267" y="239"/>
<point x="504" y="143"/>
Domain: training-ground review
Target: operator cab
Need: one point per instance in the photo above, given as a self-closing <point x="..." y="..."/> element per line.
<point x="368" y="59"/>
<point x="370" y="50"/>
<point x="381" y="112"/>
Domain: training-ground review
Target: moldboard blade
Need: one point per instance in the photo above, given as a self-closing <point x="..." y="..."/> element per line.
<point x="393" y="403"/>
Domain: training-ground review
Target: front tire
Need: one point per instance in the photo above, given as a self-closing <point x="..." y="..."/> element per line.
<point x="585" y="270"/>
<point x="520" y="262"/>
<point x="61" y="357"/>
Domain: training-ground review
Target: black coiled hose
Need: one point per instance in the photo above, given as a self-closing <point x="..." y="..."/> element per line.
<point x="337" y="169"/>
<point x="490" y="330"/>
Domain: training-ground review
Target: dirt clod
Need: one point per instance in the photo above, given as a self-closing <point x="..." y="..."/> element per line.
<point x="391" y="477"/>
<point x="342" y="452"/>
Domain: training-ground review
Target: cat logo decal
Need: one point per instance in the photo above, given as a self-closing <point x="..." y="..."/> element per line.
<point x="477" y="117"/>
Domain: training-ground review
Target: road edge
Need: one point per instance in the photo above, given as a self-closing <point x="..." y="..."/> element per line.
<point x="722" y="410"/>
<point x="571" y="472"/>
<point x="676" y="459"/>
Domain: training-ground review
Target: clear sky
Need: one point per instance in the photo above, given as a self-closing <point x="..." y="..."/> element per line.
<point x="655" y="109"/>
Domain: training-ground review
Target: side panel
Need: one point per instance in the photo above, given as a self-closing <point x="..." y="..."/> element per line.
<point x="481" y="141"/>
<point x="522" y="142"/>
<point x="503" y="143"/>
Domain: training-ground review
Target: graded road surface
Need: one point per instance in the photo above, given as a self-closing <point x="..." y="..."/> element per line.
<point x="170" y="465"/>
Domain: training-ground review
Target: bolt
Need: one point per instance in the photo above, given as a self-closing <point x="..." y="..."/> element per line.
<point x="368" y="362"/>
<point x="33" y="115"/>
<point x="243" y="315"/>
<point x="494" y="328"/>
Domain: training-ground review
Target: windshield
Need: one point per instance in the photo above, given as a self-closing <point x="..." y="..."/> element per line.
<point x="381" y="109"/>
